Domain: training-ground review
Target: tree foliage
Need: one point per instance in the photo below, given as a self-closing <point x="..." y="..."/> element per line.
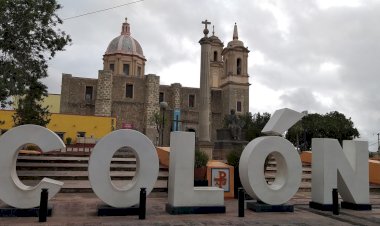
<point x="253" y="124"/>
<point x="29" y="108"/>
<point x="159" y="121"/>
<point x="28" y="39"/>
<point x="330" y="125"/>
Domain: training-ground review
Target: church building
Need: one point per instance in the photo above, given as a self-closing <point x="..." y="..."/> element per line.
<point x="123" y="90"/>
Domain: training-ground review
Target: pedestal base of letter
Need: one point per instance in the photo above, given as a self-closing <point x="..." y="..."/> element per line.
<point x="353" y="206"/>
<point x="17" y="212"/>
<point x="105" y="210"/>
<point x="176" y="210"/>
<point x="320" y="206"/>
<point x="263" y="207"/>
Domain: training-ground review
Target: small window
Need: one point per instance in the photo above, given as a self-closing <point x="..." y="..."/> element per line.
<point x="129" y="91"/>
<point x="89" y="91"/>
<point x="191" y="100"/>
<point x="238" y="66"/>
<point x="215" y="56"/>
<point x="238" y="106"/>
<point x="60" y="134"/>
<point x="112" y="67"/>
<point x="81" y="134"/>
<point x="139" y="71"/>
<point x="161" y="97"/>
<point x="126" y="69"/>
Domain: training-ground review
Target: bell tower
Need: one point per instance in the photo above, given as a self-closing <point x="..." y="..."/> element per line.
<point x="216" y="61"/>
<point x="234" y="82"/>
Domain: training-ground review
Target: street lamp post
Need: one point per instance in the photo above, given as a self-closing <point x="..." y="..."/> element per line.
<point x="163" y="106"/>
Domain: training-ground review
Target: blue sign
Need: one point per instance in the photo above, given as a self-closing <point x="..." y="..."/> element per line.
<point x="176" y="120"/>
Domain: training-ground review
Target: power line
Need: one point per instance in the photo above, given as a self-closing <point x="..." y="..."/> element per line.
<point x="102" y="10"/>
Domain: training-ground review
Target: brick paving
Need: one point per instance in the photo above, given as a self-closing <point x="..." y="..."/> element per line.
<point x="80" y="209"/>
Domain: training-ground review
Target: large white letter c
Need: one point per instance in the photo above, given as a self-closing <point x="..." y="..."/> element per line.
<point x="12" y="190"/>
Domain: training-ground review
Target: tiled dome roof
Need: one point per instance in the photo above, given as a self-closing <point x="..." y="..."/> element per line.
<point x="125" y="44"/>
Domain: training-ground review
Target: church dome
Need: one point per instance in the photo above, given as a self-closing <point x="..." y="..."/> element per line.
<point x="125" y="43"/>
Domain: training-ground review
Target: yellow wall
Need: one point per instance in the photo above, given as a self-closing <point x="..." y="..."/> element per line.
<point x="94" y="126"/>
<point x="6" y="117"/>
<point x="53" y="101"/>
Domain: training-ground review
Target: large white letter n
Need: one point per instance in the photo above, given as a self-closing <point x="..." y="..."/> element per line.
<point x="345" y="169"/>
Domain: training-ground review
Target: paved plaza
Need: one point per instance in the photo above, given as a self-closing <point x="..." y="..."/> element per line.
<point x="80" y="209"/>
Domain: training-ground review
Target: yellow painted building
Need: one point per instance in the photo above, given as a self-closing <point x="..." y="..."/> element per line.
<point x="77" y="127"/>
<point x="53" y="101"/>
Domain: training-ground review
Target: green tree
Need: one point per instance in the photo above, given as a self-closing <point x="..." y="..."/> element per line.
<point x="30" y="109"/>
<point x="253" y="124"/>
<point x="330" y="125"/>
<point x="28" y="39"/>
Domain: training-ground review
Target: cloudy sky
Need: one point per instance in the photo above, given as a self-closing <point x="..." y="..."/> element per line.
<point x="314" y="55"/>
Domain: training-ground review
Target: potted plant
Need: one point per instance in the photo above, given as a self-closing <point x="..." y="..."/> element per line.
<point x="68" y="140"/>
<point x="200" y="168"/>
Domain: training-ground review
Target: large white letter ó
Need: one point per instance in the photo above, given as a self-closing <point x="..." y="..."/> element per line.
<point x="289" y="170"/>
<point x="147" y="167"/>
<point x="12" y="191"/>
<point x="289" y="166"/>
<point x="345" y="169"/>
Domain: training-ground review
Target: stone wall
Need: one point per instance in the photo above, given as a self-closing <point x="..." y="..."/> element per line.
<point x="217" y="115"/>
<point x="129" y="110"/>
<point x="152" y="83"/>
<point x="231" y="94"/>
<point x="73" y="91"/>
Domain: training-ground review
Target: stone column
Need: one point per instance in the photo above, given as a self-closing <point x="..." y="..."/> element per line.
<point x="152" y="83"/>
<point x="176" y="103"/>
<point x="103" y="102"/>
<point x="205" y="92"/>
<point x="205" y="95"/>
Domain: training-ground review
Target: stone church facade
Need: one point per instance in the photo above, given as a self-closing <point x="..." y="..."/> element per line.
<point x="122" y="89"/>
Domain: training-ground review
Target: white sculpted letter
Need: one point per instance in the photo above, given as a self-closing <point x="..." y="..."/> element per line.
<point x="12" y="191"/>
<point x="181" y="175"/>
<point x="289" y="170"/>
<point x="345" y="169"/>
<point x="146" y="170"/>
<point x="289" y="166"/>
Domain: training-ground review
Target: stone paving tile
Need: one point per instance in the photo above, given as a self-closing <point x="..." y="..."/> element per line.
<point x="80" y="209"/>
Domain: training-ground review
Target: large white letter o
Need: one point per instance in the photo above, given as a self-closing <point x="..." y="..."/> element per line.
<point x="146" y="170"/>
<point x="12" y="191"/>
<point x="289" y="170"/>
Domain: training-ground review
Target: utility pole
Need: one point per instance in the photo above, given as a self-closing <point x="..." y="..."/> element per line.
<point x="378" y="142"/>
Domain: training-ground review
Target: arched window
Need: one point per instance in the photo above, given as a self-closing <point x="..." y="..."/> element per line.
<point x="238" y="66"/>
<point x="215" y="56"/>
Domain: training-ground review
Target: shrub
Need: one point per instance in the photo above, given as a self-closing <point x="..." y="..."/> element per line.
<point x="201" y="159"/>
<point x="233" y="157"/>
<point x="68" y="140"/>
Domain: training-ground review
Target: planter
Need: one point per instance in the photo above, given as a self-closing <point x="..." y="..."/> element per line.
<point x="200" y="173"/>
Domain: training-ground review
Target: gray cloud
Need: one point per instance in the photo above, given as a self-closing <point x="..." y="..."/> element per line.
<point x="313" y="59"/>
